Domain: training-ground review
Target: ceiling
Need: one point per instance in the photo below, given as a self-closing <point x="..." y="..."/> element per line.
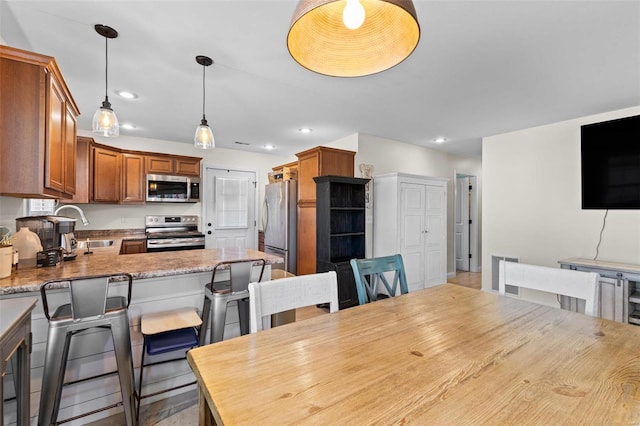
<point x="481" y="68"/>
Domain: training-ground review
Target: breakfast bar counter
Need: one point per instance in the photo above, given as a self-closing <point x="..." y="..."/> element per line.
<point x="143" y="265"/>
<point x="162" y="281"/>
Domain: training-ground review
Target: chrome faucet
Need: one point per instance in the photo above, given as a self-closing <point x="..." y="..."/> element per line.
<point x="85" y="222"/>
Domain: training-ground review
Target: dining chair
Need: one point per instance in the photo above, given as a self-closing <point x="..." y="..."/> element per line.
<point x="271" y="297"/>
<point x="370" y="272"/>
<point x="565" y="282"/>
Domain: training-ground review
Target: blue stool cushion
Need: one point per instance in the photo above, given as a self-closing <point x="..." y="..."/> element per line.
<point x="171" y="341"/>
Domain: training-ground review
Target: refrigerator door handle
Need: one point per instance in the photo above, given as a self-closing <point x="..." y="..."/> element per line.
<point x="265" y="214"/>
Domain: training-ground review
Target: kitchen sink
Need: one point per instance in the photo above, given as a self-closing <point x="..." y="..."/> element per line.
<point x="94" y="243"/>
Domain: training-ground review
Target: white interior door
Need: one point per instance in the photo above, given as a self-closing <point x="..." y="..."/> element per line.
<point x="462" y="224"/>
<point x="412" y="235"/>
<point x="230" y="209"/>
<point x="436" y="236"/>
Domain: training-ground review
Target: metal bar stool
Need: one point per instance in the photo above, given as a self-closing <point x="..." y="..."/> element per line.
<point x="165" y="332"/>
<point x="218" y="294"/>
<point x="90" y="307"/>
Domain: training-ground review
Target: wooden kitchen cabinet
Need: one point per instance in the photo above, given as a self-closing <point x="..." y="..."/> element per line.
<point x="318" y="161"/>
<point x="187" y="166"/>
<point x="105" y="166"/>
<point x="55" y="144"/>
<point x="173" y="165"/>
<point x="70" y="152"/>
<point x="118" y="176"/>
<point x="37" y="127"/>
<point x="286" y="171"/>
<point x="159" y="165"/>
<point x="133" y="246"/>
<point x="83" y="180"/>
<point x="133" y="179"/>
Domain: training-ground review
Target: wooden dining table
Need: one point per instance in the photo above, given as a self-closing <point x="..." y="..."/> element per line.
<point x="443" y="355"/>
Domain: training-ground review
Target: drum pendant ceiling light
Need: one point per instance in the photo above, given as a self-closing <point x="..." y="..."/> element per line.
<point x="204" y="136"/>
<point x="352" y="38"/>
<point x="105" y="122"/>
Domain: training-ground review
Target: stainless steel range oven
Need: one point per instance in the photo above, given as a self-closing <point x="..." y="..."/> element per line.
<point x="166" y="233"/>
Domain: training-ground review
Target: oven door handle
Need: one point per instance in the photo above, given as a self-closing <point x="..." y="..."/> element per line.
<point x="172" y="242"/>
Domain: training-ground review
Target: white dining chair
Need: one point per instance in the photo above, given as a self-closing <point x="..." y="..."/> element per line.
<point x="275" y="296"/>
<point x="565" y="282"/>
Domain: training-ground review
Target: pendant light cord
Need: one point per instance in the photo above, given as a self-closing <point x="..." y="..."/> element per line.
<point x="106" y="67"/>
<point x="203" y="91"/>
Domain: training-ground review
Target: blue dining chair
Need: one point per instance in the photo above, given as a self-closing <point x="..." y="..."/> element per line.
<point x="370" y="272"/>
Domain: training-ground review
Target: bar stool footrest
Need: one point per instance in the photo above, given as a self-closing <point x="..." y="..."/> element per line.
<point x="169" y="341"/>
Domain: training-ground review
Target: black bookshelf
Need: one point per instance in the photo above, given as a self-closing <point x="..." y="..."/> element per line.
<point x="340" y="230"/>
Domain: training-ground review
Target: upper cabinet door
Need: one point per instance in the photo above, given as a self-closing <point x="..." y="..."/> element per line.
<point x="70" y="152"/>
<point x="106" y="176"/>
<point x="60" y="142"/>
<point x="54" y="139"/>
<point x="162" y="165"/>
<point x="187" y="166"/>
<point x="133" y="182"/>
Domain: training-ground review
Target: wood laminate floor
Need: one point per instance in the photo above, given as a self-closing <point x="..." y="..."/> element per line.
<point x="467" y="279"/>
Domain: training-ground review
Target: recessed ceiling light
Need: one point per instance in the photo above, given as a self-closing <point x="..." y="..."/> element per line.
<point x="304" y="130"/>
<point x="440" y="140"/>
<point x="127" y="126"/>
<point x="269" y="146"/>
<point x="126" y="95"/>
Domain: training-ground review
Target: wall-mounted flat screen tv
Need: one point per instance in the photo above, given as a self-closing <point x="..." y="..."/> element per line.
<point x="611" y="164"/>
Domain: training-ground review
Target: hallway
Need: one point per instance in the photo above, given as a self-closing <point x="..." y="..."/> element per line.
<point x="467" y="279"/>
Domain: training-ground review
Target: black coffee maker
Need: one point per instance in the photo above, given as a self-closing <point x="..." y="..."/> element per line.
<point x="55" y="232"/>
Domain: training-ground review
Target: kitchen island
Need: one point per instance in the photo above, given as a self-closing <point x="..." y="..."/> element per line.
<point x="162" y="281"/>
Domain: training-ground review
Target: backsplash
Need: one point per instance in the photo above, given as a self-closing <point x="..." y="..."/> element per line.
<point x="10" y="209"/>
<point x="102" y="216"/>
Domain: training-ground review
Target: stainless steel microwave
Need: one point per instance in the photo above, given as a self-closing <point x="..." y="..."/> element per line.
<point x="172" y="189"/>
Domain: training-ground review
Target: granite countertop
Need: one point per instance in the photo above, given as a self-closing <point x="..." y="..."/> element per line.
<point x="107" y="260"/>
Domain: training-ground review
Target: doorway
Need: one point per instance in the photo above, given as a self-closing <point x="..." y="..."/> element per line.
<point x="466" y="223"/>
<point x="230" y="208"/>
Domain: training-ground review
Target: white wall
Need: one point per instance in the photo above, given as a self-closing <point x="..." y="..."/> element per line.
<point x="389" y="156"/>
<point x="10" y="209"/>
<point x="532" y="203"/>
<point x="349" y="143"/>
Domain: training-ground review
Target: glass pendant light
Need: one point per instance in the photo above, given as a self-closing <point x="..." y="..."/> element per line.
<point x="204" y="136"/>
<point x="352" y="38"/>
<point x="105" y="122"/>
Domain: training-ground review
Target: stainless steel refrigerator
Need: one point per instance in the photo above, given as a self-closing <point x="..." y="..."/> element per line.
<point x="280" y="222"/>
